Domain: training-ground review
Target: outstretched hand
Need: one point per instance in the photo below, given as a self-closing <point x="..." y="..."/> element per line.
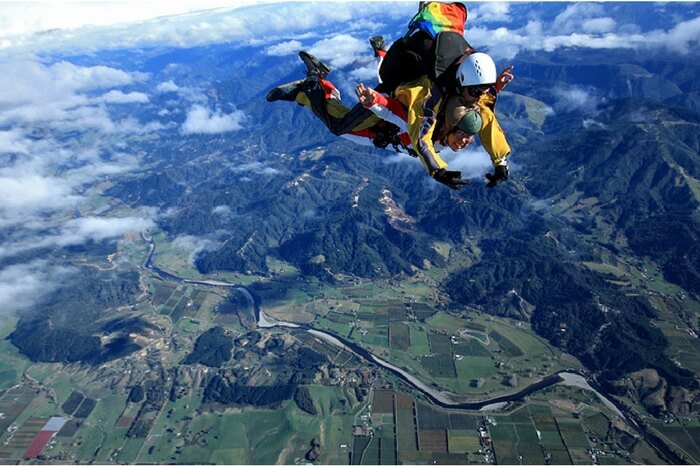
<point x="367" y="95"/>
<point x="452" y="179"/>
<point x="500" y="174"/>
<point x="504" y="79"/>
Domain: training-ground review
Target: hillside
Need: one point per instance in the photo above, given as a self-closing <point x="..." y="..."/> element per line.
<point x="604" y="192"/>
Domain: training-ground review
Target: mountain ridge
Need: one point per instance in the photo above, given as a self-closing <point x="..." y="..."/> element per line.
<point x="605" y="165"/>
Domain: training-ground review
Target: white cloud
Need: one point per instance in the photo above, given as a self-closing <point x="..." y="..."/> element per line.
<point x="473" y="161"/>
<point x="310" y="213"/>
<point x="571" y="19"/>
<point x="23" y="285"/>
<point x="340" y="50"/>
<point x="222" y="210"/>
<point x="684" y="37"/>
<point x="639" y="115"/>
<point x="489" y="12"/>
<point x="284" y="48"/>
<point x="119" y="97"/>
<point x="286" y="23"/>
<point x="21" y="18"/>
<point x="95" y="167"/>
<point x="589" y="123"/>
<point x="70" y="76"/>
<point x="71" y="232"/>
<point x="133" y="126"/>
<point x="254" y="167"/>
<point x="80" y="230"/>
<point x="575" y="98"/>
<point x="12" y="141"/>
<point x="281" y="21"/>
<point x="203" y="120"/>
<point x="167" y="86"/>
<point x="582" y="25"/>
<point x="59" y="95"/>
<point x="32" y="193"/>
<point x="599" y="25"/>
<point x="195" y="245"/>
<point x="47" y="173"/>
<point x="29" y="81"/>
<point x="364" y="74"/>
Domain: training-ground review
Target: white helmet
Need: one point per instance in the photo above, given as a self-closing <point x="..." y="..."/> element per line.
<point x="477" y="69"/>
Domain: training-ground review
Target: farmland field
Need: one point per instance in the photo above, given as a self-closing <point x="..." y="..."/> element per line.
<point x="399" y="336"/>
<point x="473" y="355"/>
<point x="505" y="439"/>
<point x="420" y="345"/>
<point x="463" y="441"/>
<point x="573" y="434"/>
<point x="685" y="437"/>
<point x="440" y="344"/>
<point x="444" y="321"/>
<point x="508" y="346"/>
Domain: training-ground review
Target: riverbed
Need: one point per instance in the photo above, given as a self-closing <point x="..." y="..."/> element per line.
<point x="441" y="398"/>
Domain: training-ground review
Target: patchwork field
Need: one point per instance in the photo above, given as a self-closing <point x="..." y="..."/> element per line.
<point x="469" y="353"/>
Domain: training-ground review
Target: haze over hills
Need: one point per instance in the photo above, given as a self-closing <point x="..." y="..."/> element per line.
<point x="593" y="240"/>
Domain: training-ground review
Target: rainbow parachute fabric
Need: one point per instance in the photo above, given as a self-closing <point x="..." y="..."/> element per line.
<point x="436" y="17"/>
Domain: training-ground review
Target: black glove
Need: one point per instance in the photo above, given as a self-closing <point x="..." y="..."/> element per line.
<point x="453" y="179"/>
<point x="500" y="174"/>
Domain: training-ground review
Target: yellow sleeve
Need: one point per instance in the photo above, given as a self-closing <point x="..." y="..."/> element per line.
<point x="423" y="106"/>
<point x="492" y="136"/>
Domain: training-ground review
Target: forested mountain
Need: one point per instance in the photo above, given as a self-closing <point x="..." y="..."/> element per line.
<point x="68" y="327"/>
<point x="604" y="170"/>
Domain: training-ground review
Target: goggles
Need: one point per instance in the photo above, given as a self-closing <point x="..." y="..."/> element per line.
<point x="477" y="91"/>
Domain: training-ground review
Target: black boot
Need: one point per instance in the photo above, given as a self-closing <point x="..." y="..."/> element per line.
<point x="314" y="66"/>
<point x="287" y="91"/>
<point x="377" y="43"/>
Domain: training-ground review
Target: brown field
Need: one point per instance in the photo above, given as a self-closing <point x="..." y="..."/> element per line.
<point x="397" y="314"/>
<point x="383" y="401"/>
<point x="404" y="401"/>
<point x="15" y="400"/>
<point x="124" y="421"/>
<point x="432" y="440"/>
<point x="69" y="429"/>
<point x="399" y="336"/>
<point x="545" y="422"/>
<point x="226" y="319"/>
<point x="25" y="434"/>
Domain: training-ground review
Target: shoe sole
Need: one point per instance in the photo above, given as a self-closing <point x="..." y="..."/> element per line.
<point x="377" y="43"/>
<point x="313" y="63"/>
<point x="279" y="92"/>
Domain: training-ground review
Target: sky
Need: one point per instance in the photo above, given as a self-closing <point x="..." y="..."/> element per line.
<point x="19" y="18"/>
<point x="45" y="176"/>
<point x="580" y="23"/>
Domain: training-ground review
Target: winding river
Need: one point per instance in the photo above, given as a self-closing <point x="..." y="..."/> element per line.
<point x="441" y="398"/>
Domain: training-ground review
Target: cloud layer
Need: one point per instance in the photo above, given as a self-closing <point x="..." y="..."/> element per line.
<point x="64" y="132"/>
<point x="503" y="28"/>
<point x="23" y="285"/>
<point x="495" y="28"/>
